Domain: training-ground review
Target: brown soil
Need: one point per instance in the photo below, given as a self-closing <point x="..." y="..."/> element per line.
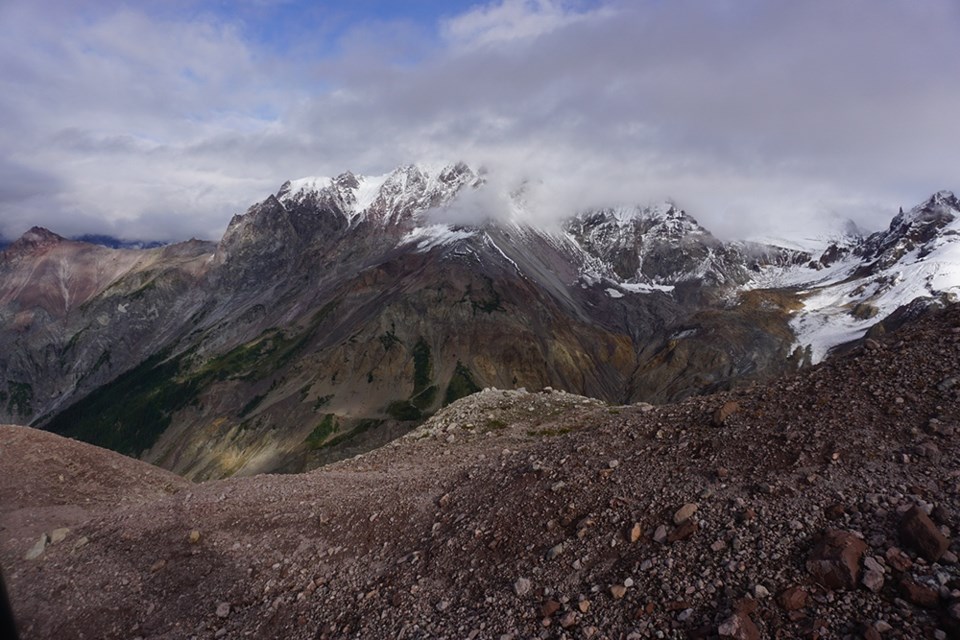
<point x="437" y="534"/>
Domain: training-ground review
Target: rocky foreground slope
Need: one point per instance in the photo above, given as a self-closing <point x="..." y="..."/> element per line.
<point x="822" y="505"/>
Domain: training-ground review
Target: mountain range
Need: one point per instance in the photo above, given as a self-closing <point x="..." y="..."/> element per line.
<point x="339" y="312"/>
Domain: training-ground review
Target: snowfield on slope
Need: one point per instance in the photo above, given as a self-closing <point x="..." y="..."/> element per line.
<point x="839" y="306"/>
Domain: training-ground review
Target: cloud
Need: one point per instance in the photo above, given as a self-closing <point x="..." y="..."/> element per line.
<point x="500" y="24"/>
<point x="754" y="114"/>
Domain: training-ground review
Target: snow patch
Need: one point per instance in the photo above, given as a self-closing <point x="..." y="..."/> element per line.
<point x="505" y="256"/>
<point x="636" y="287"/>
<point x="827" y="318"/>
<point x="434" y="235"/>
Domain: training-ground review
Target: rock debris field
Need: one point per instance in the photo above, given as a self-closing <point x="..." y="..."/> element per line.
<point x="822" y="505"/>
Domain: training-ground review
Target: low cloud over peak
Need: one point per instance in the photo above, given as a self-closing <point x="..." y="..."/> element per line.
<point x="142" y="121"/>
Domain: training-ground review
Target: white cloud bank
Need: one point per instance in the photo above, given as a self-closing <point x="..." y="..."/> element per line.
<point x="754" y="115"/>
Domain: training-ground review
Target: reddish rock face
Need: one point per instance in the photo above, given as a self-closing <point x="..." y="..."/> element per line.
<point x="919" y="532"/>
<point x="835" y="561"/>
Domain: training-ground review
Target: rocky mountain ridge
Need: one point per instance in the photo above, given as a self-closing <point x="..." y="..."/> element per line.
<point x="337" y="313"/>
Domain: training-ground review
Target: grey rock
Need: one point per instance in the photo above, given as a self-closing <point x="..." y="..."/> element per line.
<point x="38" y="548"/>
<point x="660" y="534"/>
<point x="522" y="586"/>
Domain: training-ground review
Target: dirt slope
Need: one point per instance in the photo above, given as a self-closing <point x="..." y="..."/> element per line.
<point x="536" y="515"/>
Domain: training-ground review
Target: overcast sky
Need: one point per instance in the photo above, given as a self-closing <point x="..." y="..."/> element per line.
<point x="161" y="120"/>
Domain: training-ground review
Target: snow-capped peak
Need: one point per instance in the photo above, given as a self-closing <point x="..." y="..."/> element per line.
<point x="388" y="198"/>
<point x="940" y="207"/>
<point x="665" y="215"/>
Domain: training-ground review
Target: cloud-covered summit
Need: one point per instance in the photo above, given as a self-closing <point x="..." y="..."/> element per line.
<point x="161" y="120"/>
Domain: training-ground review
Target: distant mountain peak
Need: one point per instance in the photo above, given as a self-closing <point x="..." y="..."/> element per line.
<point x="41" y="234"/>
<point x="944" y="197"/>
<point x="35" y="239"/>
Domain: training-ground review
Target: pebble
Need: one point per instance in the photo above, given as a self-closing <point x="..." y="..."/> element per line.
<point x="58" y="535"/>
<point x="522" y="586"/>
<point x="568" y="620"/>
<point x="873" y="580"/>
<point x="685" y="512"/>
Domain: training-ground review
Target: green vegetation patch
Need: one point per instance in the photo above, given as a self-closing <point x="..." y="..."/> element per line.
<point x="360" y="428"/>
<point x="19" y="398"/>
<point x="327" y="427"/>
<point x="485" y="301"/>
<point x="129" y="413"/>
<point x="321" y="402"/>
<point x="403" y="410"/>
<point x="269" y="352"/>
<point x="422" y="366"/>
<point x="425" y="398"/>
<point x="143" y="290"/>
<point x="388" y="340"/>
<point x="494" y="425"/>
<point x="252" y="404"/>
<point x="102" y="361"/>
<point x="461" y="385"/>
<point x="71" y="343"/>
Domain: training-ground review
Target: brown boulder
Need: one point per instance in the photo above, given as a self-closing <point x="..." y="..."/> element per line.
<point x="793" y="598"/>
<point x="919" y="594"/>
<point x="722" y="413"/>
<point x="918" y="531"/>
<point x="835" y="560"/>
